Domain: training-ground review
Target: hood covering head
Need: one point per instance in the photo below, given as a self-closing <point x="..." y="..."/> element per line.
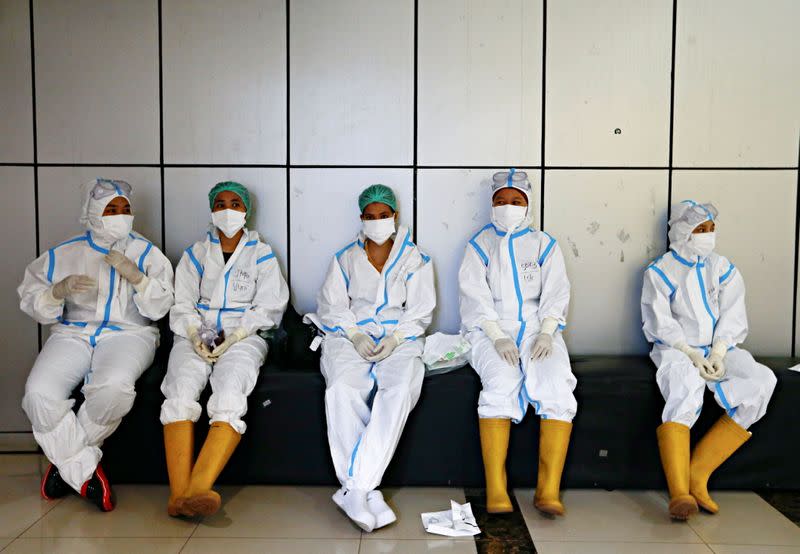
<point x="685" y="217"/>
<point x="96" y="195"/>
<point x="516" y="180"/>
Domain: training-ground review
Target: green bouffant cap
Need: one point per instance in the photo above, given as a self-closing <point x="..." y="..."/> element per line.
<point x="232" y="186"/>
<point x="377" y="193"/>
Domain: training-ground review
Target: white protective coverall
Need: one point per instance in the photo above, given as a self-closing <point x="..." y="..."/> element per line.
<point x="247" y="291"/>
<point x="517" y="279"/>
<point x="367" y="404"/>
<point x="698" y="301"/>
<point x="104" y="337"/>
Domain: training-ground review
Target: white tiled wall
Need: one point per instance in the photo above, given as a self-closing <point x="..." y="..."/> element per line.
<point x="474" y="103"/>
<point x="16" y="121"/>
<point x="186" y="209"/>
<point x="351" y="84"/>
<point x="224" y="82"/>
<point x="737" y="78"/>
<point x="606" y="244"/>
<point x="452" y="204"/>
<point x="17" y="249"/>
<point x="60" y="200"/>
<point x="480" y="82"/>
<point x="324" y="217"/>
<point x="608" y="67"/>
<point x="96" y="81"/>
<point x="756" y="231"/>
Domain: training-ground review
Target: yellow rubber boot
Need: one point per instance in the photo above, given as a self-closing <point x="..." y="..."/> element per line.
<point x="673" y="445"/>
<point x="721" y="441"/>
<point x="494" y="447"/>
<point x="199" y="499"/>
<point x="553" y="445"/>
<point x="179" y="446"/>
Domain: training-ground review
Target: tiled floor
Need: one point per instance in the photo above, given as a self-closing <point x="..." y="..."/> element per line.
<point x="304" y="520"/>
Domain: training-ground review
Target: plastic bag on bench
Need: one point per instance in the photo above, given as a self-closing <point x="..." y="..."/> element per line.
<point x="445" y="353"/>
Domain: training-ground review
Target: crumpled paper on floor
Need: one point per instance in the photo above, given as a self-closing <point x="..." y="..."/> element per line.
<point x="458" y="521"/>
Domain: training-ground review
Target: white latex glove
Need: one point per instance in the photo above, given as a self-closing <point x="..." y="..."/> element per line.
<point x="508" y="350"/>
<point x="699" y="360"/>
<point x="543" y="345"/>
<point x="230" y="339"/>
<point x="199" y="346"/>
<point x="504" y="345"/>
<point x="362" y="342"/>
<point x="125" y="267"/>
<point x="73" y="284"/>
<point x="385" y="347"/>
<point x="717" y="357"/>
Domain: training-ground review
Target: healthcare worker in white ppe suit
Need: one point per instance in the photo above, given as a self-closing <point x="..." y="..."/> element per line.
<point x="374" y="306"/>
<point x="513" y="297"/>
<point x="101" y="290"/>
<point x="693" y="311"/>
<point x="228" y="287"/>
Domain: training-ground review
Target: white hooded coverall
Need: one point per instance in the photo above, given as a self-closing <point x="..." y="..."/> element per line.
<point x="367" y="404"/>
<point x="518" y="280"/>
<point x="694" y="300"/>
<point x="247" y="291"/>
<point x="104" y="337"/>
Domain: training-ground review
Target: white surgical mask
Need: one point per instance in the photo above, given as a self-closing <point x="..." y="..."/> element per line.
<point x="117" y="227"/>
<point x="508" y="217"/>
<point x="228" y="221"/>
<point x="702" y="244"/>
<point x="379" y="230"/>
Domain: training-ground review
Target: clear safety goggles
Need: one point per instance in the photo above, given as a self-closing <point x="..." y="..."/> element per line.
<point x="696" y="213"/>
<point x="511" y="178"/>
<point x="110" y="187"/>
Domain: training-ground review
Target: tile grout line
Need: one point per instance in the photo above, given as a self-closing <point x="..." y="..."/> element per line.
<point x="544" y="115"/>
<point x="161" y="125"/>
<point x="793" y="348"/>
<point x="407" y="166"/>
<point x="196" y="527"/>
<point x="671" y="111"/>
<point x="288" y="167"/>
<point x="35" y="145"/>
<point x="416" y="119"/>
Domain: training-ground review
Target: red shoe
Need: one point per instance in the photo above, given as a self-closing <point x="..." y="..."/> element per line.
<point x="53" y="486"/>
<point x="98" y="490"/>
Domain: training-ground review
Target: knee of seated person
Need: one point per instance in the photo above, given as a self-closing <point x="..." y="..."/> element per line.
<point x="503" y="384"/>
<point x="45" y="412"/>
<point x="109" y="400"/>
<point x="768" y="381"/>
<point x="227" y="402"/>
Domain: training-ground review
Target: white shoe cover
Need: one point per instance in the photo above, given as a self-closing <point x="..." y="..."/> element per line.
<point x="380" y="509"/>
<point x="354" y="504"/>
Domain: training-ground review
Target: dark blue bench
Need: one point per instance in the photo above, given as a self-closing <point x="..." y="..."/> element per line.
<point x="613" y="443"/>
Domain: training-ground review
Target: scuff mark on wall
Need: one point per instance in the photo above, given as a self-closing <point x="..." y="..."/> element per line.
<point x="621" y="256"/>
<point x="623" y="236"/>
<point x="573" y="247"/>
<point x="593" y="227"/>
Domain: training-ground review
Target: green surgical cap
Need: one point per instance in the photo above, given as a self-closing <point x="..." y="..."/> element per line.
<point x="377" y="193"/>
<point x="232" y="186"/>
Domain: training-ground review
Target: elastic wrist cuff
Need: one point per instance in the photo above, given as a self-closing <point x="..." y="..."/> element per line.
<point x="492" y="330"/>
<point x="49" y="299"/>
<point x="720" y="347"/>
<point x="549" y="326"/>
<point x="142" y="285"/>
<point x="682" y="347"/>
